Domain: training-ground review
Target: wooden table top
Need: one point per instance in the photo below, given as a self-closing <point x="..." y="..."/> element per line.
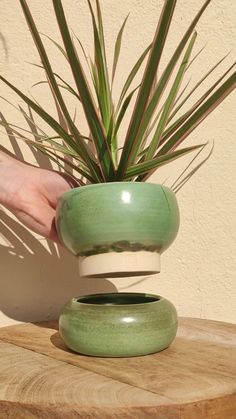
<point x="194" y="378"/>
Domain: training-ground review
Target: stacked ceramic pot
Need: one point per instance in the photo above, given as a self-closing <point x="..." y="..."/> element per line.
<point x="118" y="229"/>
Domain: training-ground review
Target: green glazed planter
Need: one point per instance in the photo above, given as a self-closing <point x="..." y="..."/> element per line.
<point x="118" y="229"/>
<point x="118" y="324"/>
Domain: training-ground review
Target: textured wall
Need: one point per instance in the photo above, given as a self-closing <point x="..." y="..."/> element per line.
<point x="198" y="271"/>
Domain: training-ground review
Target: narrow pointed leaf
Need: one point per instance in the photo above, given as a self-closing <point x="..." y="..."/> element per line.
<point x="117" y="49"/>
<point x="94" y="74"/>
<point x="153" y="124"/>
<point x="13" y="126"/>
<point x="84" y="150"/>
<point x="27" y="117"/>
<point x="55" y="147"/>
<point x="57" y="128"/>
<point x="85" y="56"/>
<point x="55" y="157"/>
<point x="123" y="109"/>
<point x="48" y="69"/>
<point x="175" y="183"/>
<point x="59" y="47"/>
<point x="169" y="69"/>
<point x="170" y="100"/>
<point x="199" y="115"/>
<point x="66" y="87"/>
<point x="181" y="93"/>
<point x="195" y="57"/>
<point x="103" y="49"/>
<point x="53" y="151"/>
<point x="182" y="119"/>
<point x="192" y="172"/>
<point x="131" y="144"/>
<point x="100" y="27"/>
<point x="143" y="151"/>
<point x="104" y="93"/>
<point x="163" y="80"/>
<point x="81" y="46"/>
<point x="195" y="87"/>
<point x="148" y="165"/>
<point x="96" y="128"/>
<point x="132" y="75"/>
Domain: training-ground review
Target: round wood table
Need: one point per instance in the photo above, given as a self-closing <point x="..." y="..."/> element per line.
<point x="194" y="378"/>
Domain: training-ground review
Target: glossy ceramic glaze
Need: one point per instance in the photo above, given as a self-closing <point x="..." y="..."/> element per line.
<point x="117" y="217"/>
<point x="118" y="324"/>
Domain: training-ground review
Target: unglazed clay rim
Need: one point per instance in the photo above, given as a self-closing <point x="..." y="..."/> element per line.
<point x="158" y="298"/>
<point x="109" y="264"/>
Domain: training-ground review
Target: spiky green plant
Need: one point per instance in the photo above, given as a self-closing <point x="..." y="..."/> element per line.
<point x="156" y="128"/>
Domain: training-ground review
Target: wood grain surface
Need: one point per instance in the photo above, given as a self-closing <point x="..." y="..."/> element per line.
<point x="193" y="379"/>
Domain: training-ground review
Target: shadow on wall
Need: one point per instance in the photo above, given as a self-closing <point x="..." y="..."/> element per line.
<point x="35" y="281"/>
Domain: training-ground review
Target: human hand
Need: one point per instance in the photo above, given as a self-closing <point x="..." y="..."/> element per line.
<point x="32" y="194"/>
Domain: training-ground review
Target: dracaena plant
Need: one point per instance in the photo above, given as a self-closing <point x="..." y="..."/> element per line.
<point x="157" y="126"/>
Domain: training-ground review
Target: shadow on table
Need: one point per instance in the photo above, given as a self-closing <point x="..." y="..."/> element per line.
<point x="57" y="341"/>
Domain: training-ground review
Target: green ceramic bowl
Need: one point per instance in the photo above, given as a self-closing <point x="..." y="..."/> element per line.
<point x="118" y="324"/>
<point x="118" y="228"/>
<point x="117" y="217"/>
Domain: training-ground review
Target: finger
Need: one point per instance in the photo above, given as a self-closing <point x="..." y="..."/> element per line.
<point x="41" y="220"/>
<point x="53" y="185"/>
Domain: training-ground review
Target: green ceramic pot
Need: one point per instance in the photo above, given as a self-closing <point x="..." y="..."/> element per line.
<point x="118" y="325"/>
<point x="118" y="228"/>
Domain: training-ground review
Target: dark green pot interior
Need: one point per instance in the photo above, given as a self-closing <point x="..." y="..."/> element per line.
<point x="118" y="299"/>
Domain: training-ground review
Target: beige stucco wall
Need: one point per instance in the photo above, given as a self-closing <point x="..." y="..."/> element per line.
<point x="198" y="271"/>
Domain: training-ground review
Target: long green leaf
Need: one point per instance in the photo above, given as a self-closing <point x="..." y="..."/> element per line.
<point x="41" y="147"/>
<point x="100" y="28"/>
<point x="183" y="118"/>
<point x="147" y="166"/>
<point x="81" y="46"/>
<point x="131" y="76"/>
<point x="103" y="88"/>
<point x="66" y="87"/>
<point x="54" y="157"/>
<point x="95" y="79"/>
<point x="169" y="69"/>
<point x="84" y="54"/>
<point x="13" y="126"/>
<point x="195" y="57"/>
<point x="58" y="148"/>
<point x="41" y="138"/>
<point x="59" y="47"/>
<point x="52" y="144"/>
<point x="153" y="124"/>
<point x="183" y="181"/>
<point x="199" y="115"/>
<point x="117" y="49"/>
<point x="131" y="144"/>
<point x="170" y="100"/>
<point x="28" y="119"/>
<point x="96" y="128"/>
<point x="163" y="80"/>
<point x="123" y="109"/>
<point x="195" y="87"/>
<point x="52" y="122"/>
<point x="84" y="151"/>
<point x="175" y="183"/>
